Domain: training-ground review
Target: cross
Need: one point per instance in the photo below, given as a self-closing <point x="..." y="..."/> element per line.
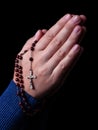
<point x="31" y="77"/>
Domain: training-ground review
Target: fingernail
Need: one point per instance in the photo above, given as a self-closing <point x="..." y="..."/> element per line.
<point x="44" y="30"/>
<point x="37" y="33"/>
<point x="67" y="16"/>
<point x="76" y="48"/>
<point x="76" y="19"/>
<point x="77" y="29"/>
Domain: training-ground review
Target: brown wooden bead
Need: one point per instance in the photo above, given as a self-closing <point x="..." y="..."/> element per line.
<point x="23" y="103"/>
<point x="32" y="48"/>
<point x="31" y="59"/>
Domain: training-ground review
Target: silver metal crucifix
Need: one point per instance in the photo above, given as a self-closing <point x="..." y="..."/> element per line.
<point x="31" y="77"/>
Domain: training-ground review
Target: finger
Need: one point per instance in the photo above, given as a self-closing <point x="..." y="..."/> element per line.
<point x="51" y="33"/>
<point x="44" y="30"/>
<point x="83" y="17"/>
<point x="36" y="37"/>
<point x="65" y="75"/>
<point x="74" y="38"/>
<point x="62" y="36"/>
<point x="83" y="34"/>
<point x="65" y="48"/>
<point x="67" y="63"/>
<point x="73" y="63"/>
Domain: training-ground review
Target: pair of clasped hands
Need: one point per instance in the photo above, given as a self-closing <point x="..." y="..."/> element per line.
<point x="55" y="54"/>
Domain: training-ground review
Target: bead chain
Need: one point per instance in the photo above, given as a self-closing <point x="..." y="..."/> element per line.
<point x="23" y="103"/>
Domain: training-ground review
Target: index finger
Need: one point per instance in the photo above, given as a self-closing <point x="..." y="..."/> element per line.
<point x="51" y="33"/>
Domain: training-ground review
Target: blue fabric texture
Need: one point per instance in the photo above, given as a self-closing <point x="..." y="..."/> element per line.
<point x="11" y="115"/>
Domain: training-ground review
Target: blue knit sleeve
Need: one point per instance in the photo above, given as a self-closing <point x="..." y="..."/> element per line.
<point x="11" y="115"/>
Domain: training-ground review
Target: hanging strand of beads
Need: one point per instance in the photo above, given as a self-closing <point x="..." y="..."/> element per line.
<point x="31" y="76"/>
<point x="23" y="102"/>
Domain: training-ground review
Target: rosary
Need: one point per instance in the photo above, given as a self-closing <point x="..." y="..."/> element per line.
<point x="26" y="107"/>
<point x="19" y="68"/>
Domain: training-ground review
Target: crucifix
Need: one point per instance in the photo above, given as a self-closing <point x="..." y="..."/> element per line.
<point x="31" y="77"/>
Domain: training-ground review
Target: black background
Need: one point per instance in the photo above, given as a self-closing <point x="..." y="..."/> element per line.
<point x="75" y="104"/>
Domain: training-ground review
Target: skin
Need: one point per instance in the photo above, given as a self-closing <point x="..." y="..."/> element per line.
<point x="55" y="54"/>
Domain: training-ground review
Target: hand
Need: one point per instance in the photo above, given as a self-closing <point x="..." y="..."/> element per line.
<point x="55" y="53"/>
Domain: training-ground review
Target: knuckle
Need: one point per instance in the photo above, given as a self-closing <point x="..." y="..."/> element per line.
<point x="49" y="35"/>
<point x="43" y="71"/>
<point x="57" y="42"/>
<point x="61" y="53"/>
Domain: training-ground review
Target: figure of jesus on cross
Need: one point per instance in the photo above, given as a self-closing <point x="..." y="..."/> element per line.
<point x="31" y="77"/>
